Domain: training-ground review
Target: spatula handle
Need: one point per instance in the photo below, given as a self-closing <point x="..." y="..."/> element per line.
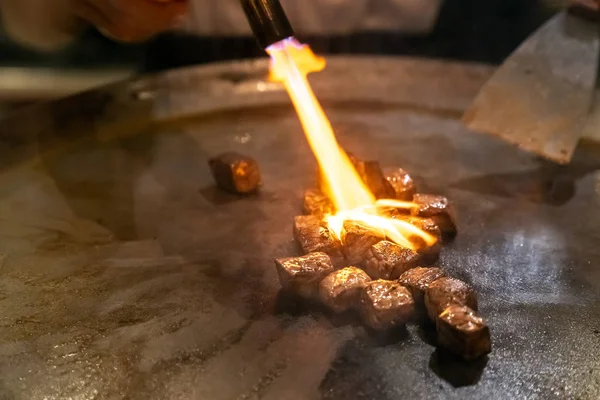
<point x="589" y="9"/>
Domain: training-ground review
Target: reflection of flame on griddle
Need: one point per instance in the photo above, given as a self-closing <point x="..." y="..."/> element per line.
<point x="291" y="62"/>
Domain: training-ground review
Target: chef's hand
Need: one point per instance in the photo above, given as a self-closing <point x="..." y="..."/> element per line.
<point x="131" y="20"/>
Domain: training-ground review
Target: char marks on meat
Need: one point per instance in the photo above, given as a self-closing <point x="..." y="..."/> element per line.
<point x="357" y="239"/>
<point x="462" y="332"/>
<point x="417" y="280"/>
<point x="302" y="275"/>
<point x="235" y="173"/>
<point x="429" y="254"/>
<point x="402" y="183"/>
<point x="445" y="292"/>
<point x="385" y="304"/>
<point x="387" y="260"/>
<point x="440" y="210"/>
<point x="340" y="290"/>
<point x="317" y="204"/>
<point x="371" y="174"/>
<point x="313" y="235"/>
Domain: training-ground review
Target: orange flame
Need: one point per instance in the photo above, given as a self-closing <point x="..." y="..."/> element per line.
<point x="291" y="62"/>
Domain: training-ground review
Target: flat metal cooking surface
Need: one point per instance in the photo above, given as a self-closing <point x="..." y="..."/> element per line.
<point x="125" y="274"/>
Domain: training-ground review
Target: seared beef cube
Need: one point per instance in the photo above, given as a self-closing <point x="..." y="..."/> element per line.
<point x="357" y="239"/>
<point x="313" y="235"/>
<point x="340" y="290"/>
<point x="385" y="304"/>
<point x="417" y="280"/>
<point x="402" y="183"/>
<point x="372" y="175"/>
<point x="429" y="254"/>
<point x="302" y="275"/>
<point x="387" y="260"/>
<point x="235" y="173"/>
<point x="439" y="209"/>
<point x="462" y="332"/>
<point x="427" y="225"/>
<point x="445" y="292"/>
<point x="317" y="204"/>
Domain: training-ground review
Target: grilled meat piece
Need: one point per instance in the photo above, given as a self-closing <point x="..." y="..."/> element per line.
<point x="429" y="254"/>
<point x="372" y="176"/>
<point x="402" y="183"/>
<point x="444" y="292"/>
<point x="428" y="225"/>
<point x="440" y="210"/>
<point x="313" y="235"/>
<point x="417" y="280"/>
<point x="302" y="275"/>
<point x="387" y="260"/>
<point x="462" y="332"/>
<point x="357" y="239"/>
<point x="317" y="204"/>
<point x="385" y="304"/>
<point x="235" y="173"/>
<point x="340" y="290"/>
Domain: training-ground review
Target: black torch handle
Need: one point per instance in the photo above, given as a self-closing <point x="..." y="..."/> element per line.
<point x="268" y="21"/>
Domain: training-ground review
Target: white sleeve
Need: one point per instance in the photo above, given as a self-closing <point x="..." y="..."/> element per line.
<point x="44" y="25"/>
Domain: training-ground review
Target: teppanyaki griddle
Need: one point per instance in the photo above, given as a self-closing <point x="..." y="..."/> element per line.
<point x="125" y="274"/>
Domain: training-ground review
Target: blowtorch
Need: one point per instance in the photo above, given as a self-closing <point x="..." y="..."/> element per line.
<point x="268" y="21"/>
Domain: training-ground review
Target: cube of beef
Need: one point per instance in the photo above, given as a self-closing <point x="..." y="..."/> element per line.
<point x="357" y="239"/>
<point x="402" y="183"/>
<point x="440" y="210"/>
<point x="235" y="173"/>
<point x="445" y="292"/>
<point x="340" y="290"/>
<point x="428" y="253"/>
<point x="317" y="204"/>
<point x="462" y="332"/>
<point x="417" y="280"/>
<point x="387" y="260"/>
<point x="313" y="235"/>
<point x="427" y="225"/>
<point x="302" y="275"/>
<point x="370" y="173"/>
<point x="385" y="304"/>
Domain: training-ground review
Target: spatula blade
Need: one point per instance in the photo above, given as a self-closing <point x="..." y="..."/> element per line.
<point x="540" y="97"/>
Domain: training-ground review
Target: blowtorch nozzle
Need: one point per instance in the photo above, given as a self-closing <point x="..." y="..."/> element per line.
<point x="268" y="21"/>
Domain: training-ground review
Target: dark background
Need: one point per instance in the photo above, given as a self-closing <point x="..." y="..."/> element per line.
<point x="470" y="30"/>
